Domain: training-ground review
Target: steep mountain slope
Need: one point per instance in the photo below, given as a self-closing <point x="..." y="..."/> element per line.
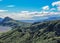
<point x="7" y="21"/>
<point x="1" y="19"/>
<point x="44" y="32"/>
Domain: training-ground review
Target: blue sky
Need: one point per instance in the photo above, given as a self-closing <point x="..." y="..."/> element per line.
<point x="29" y="9"/>
<point x="20" y="5"/>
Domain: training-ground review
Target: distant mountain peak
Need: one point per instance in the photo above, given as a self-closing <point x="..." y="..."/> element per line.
<point x="7" y="21"/>
<point x="8" y="18"/>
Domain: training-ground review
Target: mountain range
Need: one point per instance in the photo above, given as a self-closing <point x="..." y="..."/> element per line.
<point x="49" y="18"/>
<point x="37" y="32"/>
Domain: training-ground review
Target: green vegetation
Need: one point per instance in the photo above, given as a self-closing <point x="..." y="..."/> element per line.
<point x="44" y="32"/>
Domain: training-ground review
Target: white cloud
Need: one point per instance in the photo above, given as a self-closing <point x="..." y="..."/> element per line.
<point x="17" y="16"/>
<point x="26" y="15"/>
<point x="11" y="6"/>
<point x="57" y="4"/>
<point x="23" y="15"/>
<point x="45" y="8"/>
<point x="52" y="9"/>
<point x="3" y="11"/>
